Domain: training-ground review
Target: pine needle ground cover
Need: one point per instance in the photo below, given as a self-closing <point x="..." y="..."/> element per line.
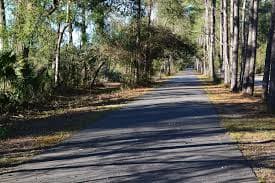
<point x="248" y="123"/>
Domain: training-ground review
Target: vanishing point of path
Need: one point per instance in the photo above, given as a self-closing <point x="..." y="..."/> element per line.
<point x="169" y="135"/>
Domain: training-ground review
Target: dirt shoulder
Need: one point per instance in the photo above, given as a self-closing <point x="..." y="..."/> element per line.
<point x="249" y="124"/>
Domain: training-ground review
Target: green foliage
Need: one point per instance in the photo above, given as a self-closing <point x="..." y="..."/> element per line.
<point x="21" y="83"/>
<point x="107" y="34"/>
<point x="3" y="132"/>
<point x="7" y="67"/>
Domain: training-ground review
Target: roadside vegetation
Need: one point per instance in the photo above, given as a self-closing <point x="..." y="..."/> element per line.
<point x="249" y="124"/>
<point x="237" y="48"/>
<point x="64" y="64"/>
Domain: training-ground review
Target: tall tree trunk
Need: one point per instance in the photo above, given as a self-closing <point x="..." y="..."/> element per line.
<point x="70" y="21"/>
<point x="207" y="37"/>
<point x="170" y="60"/>
<point x="212" y="40"/>
<point x="2" y="24"/>
<point x="204" y="55"/>
<point x="248" y="49"/>
<point x="271" y="55"/>
<point x="70" y="33"/>
<point x="225" y="44"/>
<point x="250" y="89"/>
<point x="268" y="60"/>
<point x="221" y="36"/>
<point x="147" y="51"/>
<point x="57" y="53"/>
<point x="138" y="42"/>
<point x="244" y="43"/>
<point x="231" y="33"/>
<point x="249" y="77"/>
<point x="235" y="47"/>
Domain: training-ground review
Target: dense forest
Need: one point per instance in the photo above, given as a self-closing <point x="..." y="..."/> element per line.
<point x="52" y="46"/>
<point x="47" y="46"/>
<point x="237" y="43"/>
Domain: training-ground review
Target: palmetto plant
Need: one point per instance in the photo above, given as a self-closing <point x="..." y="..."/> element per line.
<point x="21" y="83"/>
<point x="7" y="68"/>
<point x="7" y="75"/>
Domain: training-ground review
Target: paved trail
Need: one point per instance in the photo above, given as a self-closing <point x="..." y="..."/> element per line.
<point x="170" y="135"/>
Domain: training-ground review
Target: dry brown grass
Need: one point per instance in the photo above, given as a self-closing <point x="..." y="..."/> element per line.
<point x="250" y="125"/>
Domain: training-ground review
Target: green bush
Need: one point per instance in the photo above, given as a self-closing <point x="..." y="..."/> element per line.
<point x="22" y="82"/>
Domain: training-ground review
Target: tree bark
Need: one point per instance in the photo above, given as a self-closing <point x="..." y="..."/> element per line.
<point x="225" y="44"/>
<point x="244" y="43"/>
<point x="266" y="76"/>
<point x="271" y="98"/>
<point x="231" y="33"/>
<point x="205" y="55"/>
<point x="138" y="41"/>
<point x="235" y="47"/>
<point x="248" y="50"/>
<point x="207" y="37"/>
<point x="169" y="64"/>
<point x="70" y="33"/>
<point x="69" y="21"/>
<point x="57" y="53"/>
<point x="2" y="24"/>
<point x="212" y="40"/>
<point x="147" y="51"/>
<point x="221" y="35"/>
<point x="249" y="77"/>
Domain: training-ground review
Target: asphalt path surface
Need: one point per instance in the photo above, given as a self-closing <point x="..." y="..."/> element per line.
<point x="169" y="135"/>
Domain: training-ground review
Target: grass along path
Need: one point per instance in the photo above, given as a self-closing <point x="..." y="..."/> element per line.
<point x="249" y="124"/>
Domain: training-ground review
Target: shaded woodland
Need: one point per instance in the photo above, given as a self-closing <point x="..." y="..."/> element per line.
<point x="52" y="46"/>
<point x="237" y="44"/>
